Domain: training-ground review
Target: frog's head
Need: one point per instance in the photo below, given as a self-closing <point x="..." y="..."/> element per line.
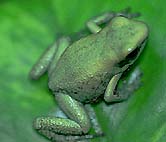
<point x="128" y="37"/>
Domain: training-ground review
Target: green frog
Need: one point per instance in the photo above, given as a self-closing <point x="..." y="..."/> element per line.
<point x="81" y="72"/>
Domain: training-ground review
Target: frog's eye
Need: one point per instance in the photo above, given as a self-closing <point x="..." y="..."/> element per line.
<point x="132" y="55"/>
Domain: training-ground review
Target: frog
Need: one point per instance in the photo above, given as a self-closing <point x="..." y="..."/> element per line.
<point x="82" y="71"/>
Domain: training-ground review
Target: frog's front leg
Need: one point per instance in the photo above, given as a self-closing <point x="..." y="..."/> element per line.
<point x="77" y="123"/>
<point x="94" y="23"/>
<point x="49" y="58"/>
<point x="127" y="89"/>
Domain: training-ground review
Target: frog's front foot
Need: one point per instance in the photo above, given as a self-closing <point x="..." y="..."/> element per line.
<point x="134" y="83"/>
<point x="126" y="90"/>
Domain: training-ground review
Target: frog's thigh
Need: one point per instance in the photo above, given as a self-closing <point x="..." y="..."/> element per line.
<point x="109" y="93"/>
<point x="74" y="110"/>
<point x="46" y="58"/>
<point x="77" y="124"/>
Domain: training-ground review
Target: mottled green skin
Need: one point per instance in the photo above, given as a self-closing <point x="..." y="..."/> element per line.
<point x="85" y="68"/>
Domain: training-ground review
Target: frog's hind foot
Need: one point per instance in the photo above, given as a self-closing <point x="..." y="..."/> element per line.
<point x="83" y="138"/>
<point x="54" y="137"/>
<point x="94" y="23"/>
<point x="127" y="13"/>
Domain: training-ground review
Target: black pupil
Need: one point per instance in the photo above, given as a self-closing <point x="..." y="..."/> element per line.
<point x="129" y="57"/>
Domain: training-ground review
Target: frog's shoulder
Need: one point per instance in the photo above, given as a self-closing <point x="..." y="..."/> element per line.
<point x="89" y="41"/>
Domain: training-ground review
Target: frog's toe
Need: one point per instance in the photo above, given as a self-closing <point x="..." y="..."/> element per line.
<point x="37" y="124"/>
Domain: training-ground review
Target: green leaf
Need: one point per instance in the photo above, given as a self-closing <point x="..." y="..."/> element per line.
<point x="27" y="28"/>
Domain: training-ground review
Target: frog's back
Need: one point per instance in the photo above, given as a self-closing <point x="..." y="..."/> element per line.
<point x="83" y="69"/>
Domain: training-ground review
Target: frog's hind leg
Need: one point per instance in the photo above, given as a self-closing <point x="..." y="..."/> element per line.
<point x="62" y="44"/>
<point x="127" y="13"/>
<point x="65" y="138"/>
<point x="94" y="121"/>
<point x="76" y="126"/>
<point x="49" y="58"/>
<point x="123" y="93"/>
<point x="95" y="23"/>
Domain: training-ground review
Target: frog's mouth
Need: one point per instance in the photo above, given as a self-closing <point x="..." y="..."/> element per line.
<point x="132" y="57"/>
